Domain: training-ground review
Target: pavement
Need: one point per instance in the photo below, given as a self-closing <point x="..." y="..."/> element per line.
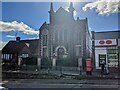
<point x="34" y="84"/>
<point x="95" y="75"/>
<point x="101" y="82"/>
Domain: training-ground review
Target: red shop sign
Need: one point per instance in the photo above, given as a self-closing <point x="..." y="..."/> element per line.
<point x="108" y="42"/>
<point x="101" y="42"/>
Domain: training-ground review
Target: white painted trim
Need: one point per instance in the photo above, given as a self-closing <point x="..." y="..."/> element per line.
<point x="60" y="47"/>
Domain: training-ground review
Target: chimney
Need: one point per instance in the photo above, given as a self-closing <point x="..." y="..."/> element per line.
<point x="17" y="39"/>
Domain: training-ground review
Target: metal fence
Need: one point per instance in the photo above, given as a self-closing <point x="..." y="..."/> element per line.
<point x="58" y="70"/>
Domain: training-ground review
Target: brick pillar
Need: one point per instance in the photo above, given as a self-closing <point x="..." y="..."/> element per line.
<point x="54" y="62"/>
<point x="39" y="63"/>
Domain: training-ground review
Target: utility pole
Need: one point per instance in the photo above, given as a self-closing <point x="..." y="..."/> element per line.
<point x="93" y="49"/>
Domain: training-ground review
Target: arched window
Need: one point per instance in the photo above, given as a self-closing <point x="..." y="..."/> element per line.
<point x="45" y="37"/>
<point x="45" y="40"/>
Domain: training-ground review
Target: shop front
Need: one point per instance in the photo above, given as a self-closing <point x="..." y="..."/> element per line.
<point x="106" y="50"/>
<point x="112" y="56"/>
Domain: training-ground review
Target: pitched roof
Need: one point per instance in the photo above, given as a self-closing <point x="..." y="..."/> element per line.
<point x="61" y="10"/>
<point x="44" y="25"/>
<point x="63" y="16"/>
<point x="16" y="47"/>
<point x="33" y="45"/>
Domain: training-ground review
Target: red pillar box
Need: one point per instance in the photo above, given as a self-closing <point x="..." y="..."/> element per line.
<point x="89" y="66"/>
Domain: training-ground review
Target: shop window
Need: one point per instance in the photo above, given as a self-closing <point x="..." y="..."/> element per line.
<point x="112" y="50"/>
<point x="102" y="58"/>
<point x="112" y="56"/>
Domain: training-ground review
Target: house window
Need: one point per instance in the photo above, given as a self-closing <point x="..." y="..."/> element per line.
<point x="6" y="56"/>
<point x="10" y="56"/>
<point x="25" y="55"/>
<point x="3" y="56"/>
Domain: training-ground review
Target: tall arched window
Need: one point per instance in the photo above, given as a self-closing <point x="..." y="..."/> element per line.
<point x="45" y="37"/>
<point x="45" y="40"/>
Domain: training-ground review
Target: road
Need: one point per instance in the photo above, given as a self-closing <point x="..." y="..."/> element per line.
<point x="34" y="84"/>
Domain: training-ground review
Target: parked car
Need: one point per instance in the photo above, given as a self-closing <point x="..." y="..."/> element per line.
<point x="3" y="88"/>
